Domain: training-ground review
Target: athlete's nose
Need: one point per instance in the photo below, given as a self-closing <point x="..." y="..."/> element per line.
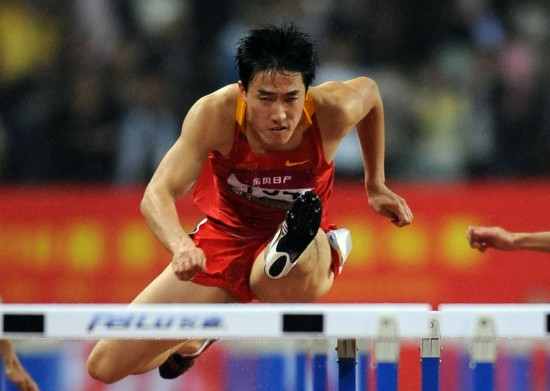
<point x="279" y="113"/>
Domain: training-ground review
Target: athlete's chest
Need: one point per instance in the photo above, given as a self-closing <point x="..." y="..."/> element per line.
<point x="281" y="168"/>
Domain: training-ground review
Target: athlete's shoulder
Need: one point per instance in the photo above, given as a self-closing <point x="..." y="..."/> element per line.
<point x="345" y="98"/>
<point x="333" y="100"/>
<point x="211" y="119"/>
<point x="337" y="93"/>
<point x="219" y="102"/>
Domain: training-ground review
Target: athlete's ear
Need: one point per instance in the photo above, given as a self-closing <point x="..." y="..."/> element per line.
<point x="242" y="89"/>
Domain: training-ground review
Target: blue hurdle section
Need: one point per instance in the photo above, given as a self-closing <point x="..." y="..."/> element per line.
<point x="430" y="374"/>
<point x="484" y="376"/>
<point x="386" y="376"/>
<point x="521" y="372"/>
<point x="347" y="355"/>
<point x="346" y="374"/>
<point x="515" y="369"/>
<point x="270" y="372"/>
<point x="363" y="366"/>
<point x="320" y="372"/>
<point x="300" y="376"/>
<point x="239" y="370"/>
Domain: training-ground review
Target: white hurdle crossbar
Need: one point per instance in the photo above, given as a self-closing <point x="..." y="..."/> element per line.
<point x="384" y="324"/>
<point x="509" y="320"/>
<point x="300" y="321"/>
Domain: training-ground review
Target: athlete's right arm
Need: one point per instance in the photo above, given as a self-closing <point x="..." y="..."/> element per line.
<point x="203" y="130"/>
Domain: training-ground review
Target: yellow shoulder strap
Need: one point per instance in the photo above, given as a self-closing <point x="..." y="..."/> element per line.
<point x="241" y="109"/>
<point x="309" y="109"/>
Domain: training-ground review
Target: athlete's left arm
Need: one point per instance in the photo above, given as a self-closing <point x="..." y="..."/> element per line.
<point x="365" y="110"/>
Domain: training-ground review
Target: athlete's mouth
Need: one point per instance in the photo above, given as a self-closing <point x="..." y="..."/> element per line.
<point x="278" y="128"/>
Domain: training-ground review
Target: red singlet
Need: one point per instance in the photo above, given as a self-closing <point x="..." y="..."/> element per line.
<point x="245" y="198"/>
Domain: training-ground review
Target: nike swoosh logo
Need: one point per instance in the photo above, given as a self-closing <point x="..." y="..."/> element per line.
<point x="288" y="163"/>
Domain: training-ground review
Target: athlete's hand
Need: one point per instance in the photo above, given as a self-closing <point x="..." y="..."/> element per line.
<point x="17" y="374"/>
<point x="386" y="203"/>
<point x="187" y="262"/>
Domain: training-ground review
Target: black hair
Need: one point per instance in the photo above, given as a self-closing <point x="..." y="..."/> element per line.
<point x="283" y="48"/>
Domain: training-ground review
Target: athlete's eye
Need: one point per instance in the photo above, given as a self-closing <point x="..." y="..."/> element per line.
<point x="291" y="98"/>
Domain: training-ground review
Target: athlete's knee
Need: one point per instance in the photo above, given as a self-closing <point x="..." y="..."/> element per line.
<point x="319" y="283"/>
<point x="100" y="367"/>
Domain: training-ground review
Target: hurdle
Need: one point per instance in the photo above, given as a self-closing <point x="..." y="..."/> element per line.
<point x="383" y="326"/>
<point x="344" y="322"/>
<point x="485" y="325"/>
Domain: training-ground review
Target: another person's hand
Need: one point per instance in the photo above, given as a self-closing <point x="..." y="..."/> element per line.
<point x="386" y="203"/>
<point x="482" y="238"/>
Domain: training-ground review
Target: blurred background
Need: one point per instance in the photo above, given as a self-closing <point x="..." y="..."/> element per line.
<point x="85" y="84"/>
<point x="93" y="93"/>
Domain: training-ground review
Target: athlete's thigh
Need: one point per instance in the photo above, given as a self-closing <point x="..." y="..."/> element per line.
<point x="310" y="279"/>
<point x="167" y="288"/>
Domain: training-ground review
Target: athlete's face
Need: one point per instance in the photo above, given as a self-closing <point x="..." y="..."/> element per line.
<point x="274" y="106"/>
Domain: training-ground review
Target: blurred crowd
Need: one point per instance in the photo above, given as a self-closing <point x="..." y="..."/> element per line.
<point x="96" y="90"/>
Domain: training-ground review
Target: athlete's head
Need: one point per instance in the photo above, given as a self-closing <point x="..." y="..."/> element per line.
<point x="276" y="49"/>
